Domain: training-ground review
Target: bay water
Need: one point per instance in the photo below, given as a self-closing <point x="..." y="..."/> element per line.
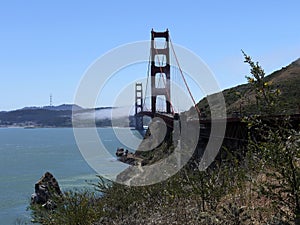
<point x="26" y="154"/>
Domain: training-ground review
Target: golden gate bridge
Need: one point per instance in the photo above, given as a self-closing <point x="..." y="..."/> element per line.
<point x="160" y="92"/>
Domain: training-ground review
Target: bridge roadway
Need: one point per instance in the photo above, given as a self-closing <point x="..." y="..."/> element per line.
<point x="236" y="128"/>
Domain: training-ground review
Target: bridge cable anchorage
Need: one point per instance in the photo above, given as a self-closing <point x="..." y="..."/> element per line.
<point x="185" y="82"/>
<point x="161" y="71"/>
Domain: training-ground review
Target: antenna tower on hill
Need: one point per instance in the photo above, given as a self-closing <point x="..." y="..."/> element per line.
<point x="51" y="103"/>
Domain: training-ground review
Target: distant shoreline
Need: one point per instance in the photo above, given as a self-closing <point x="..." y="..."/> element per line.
<point x="38" y="127"/>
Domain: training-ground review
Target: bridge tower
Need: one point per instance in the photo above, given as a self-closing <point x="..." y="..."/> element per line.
<point x="160" y="69"/>
<point x="138" y="106"/>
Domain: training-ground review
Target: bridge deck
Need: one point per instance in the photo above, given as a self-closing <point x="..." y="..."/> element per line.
<point x="236" y="128"/>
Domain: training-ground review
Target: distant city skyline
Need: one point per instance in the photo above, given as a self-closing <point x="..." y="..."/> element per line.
<point x="46" y="47"/>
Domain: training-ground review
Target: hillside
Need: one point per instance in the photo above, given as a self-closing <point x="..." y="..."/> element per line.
<point x="36" y="117"/>
<point x="241" y="99"/>
<point x="62" y="107"/>
<point x="61" y="116"/>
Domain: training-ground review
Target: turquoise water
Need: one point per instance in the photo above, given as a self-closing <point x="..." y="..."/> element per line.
<point x="26" y="154"/>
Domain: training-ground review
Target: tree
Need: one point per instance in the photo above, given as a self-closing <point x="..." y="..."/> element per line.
<point x="276" y="145"/>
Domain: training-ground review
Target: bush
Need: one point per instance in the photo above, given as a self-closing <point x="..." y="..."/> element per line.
<point x="76" y="208"/>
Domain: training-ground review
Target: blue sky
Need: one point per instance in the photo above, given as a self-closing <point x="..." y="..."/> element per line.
<point x="46" y="46"/>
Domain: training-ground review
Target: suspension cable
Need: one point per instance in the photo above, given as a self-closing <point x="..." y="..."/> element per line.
<point x="148" y="74"/>
<point x="182" y="75"/>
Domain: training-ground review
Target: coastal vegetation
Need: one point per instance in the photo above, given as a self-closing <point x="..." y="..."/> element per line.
<point x="256" y="183"/>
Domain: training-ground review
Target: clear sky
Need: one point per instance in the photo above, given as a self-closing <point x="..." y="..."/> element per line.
<point x="46" y="46"/>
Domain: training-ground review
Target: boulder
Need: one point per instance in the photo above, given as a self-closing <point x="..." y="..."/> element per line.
<point x="46" y="191"/>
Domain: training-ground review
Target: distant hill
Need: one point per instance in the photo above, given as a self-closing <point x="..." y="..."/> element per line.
<point x="64" y="107"/>
<point x="61" y="116"/>
<point x="56" y="108"/>
<point x="240" y="99"/>
<point x="36" y="117"/>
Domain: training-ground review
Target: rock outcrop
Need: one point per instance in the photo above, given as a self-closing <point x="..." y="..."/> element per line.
<point x="46" y="191"/>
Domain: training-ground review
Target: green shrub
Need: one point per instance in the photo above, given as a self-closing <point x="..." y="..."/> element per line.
<point x="76" y="208"/>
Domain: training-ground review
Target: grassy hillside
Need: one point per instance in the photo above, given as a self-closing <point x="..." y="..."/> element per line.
<point x="241" y="99"/>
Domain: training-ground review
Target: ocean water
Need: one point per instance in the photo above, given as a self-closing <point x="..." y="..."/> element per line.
<point x="26" y="154"/>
